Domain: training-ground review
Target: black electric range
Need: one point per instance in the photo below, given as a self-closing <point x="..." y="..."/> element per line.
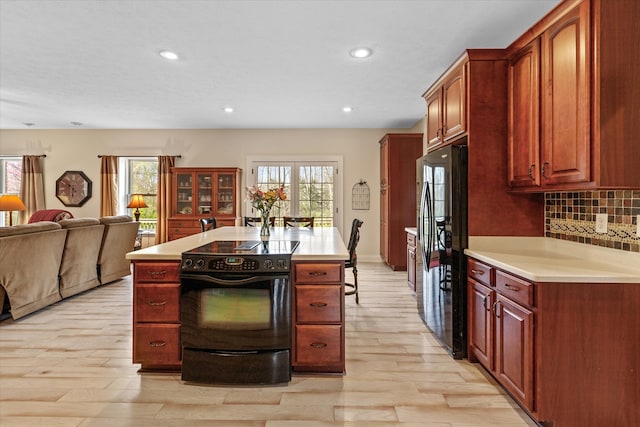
<point x="269" y="256"/>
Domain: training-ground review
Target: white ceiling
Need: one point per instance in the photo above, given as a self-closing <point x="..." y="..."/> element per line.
<point x="280" y="64"/>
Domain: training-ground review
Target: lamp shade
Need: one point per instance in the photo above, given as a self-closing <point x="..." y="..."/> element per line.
<point x="11" y="202"/>
<point x="137" y="202"/>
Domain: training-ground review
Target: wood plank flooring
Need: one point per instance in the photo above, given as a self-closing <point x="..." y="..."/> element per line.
<point x="70" y="365"/>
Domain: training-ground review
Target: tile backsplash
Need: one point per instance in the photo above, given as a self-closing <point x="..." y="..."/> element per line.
<point x="571" y="216"/>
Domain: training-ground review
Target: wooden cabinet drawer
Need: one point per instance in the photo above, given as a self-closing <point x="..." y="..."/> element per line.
<point x="184" y="223"/>
<point x="479" y="271"/>
<point x="157" y="303"/>
<point x="157" y="272"/>
<point x="411" y="239"/>
<point x="319" y="345"/>
<point x="157" y="344"/>
<point x="318" y="303"/>
<point x="318" y="273"/>
<point x="514" y="288"/>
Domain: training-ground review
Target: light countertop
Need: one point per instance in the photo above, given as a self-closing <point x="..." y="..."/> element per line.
<point x="411" y="230"/>
<point x="319" y="243"/>
<point x="542" y="259"/>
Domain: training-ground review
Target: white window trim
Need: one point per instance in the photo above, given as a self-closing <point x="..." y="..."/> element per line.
<point x="248" y="178"/>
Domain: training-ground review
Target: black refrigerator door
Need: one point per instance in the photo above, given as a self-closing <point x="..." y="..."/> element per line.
<point x="441" y="293"/>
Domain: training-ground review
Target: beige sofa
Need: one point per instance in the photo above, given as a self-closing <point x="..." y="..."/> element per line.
<point x="119" y="237"/>
<point x="78" y="269"/>
<point x="43" y="262"/>
<point x="30" y="256"/>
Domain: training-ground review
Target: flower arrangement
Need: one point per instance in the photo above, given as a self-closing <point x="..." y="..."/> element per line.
<point x="263" y="201"/>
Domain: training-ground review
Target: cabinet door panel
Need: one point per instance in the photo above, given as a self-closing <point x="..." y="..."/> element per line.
<point x="157" y="344"/>
<point x="318" y="345"/>
<point x="434" y="119"/>
<point x="481" y="323"/>
<point x="514" y="349"/>
<point x="453" y="109"/>
<point x="157" y="303"/>
<point x="318" y="303"/>
<point x="524" y="117"/>
<point x="566" y="108"/>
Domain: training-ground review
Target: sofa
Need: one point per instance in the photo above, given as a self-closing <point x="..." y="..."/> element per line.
<point x="44" y="262"/>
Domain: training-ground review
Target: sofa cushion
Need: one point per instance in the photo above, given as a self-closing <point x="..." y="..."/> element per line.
<point x="115" y="219"/>
<point x="78" y="222"/>
<point x="29" y="228"/>
<point x="54" y="215"/>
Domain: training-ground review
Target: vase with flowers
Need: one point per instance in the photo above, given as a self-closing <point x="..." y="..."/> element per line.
<point x="263" y="201"/>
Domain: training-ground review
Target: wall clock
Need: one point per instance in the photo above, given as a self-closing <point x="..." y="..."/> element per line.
<point x="73" y="188"/>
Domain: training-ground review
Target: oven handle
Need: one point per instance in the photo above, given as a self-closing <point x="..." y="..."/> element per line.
<point x="233" y="282"/>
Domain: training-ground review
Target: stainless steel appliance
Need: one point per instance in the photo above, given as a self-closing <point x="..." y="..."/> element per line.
<point x="235" y="312"/>
<point x="442" y="235"/>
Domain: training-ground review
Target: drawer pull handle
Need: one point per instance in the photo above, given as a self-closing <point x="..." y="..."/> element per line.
<point x="157" y="343"/>
<point x="317" y="273"/>
<point x="158" y="273"/>
<point x="511" y="287"/>
<point x="478" y="272"/>
<point x="318" y="304"/>
<point x="495" y="309"/>
<point x="318" y="345"/>
<point x="484" y="303"/>
<point x="156" y="303"/>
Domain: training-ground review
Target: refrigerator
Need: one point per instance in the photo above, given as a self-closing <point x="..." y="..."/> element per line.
<point x="442" y="235"/>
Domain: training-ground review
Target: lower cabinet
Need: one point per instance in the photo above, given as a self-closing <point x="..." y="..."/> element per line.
<point x="500" y="329"/>
<point x="566" y="352"/>
<point x="156" y="315"/>
<point x="411" y="260"/>
<point x="318" y="316"/>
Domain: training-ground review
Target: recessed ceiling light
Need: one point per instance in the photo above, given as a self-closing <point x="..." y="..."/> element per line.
<point x="76" y="123"/>
<point x="360" y="52"/>
<point x="167" y="54"/>
<point x="228" y="109"/>
<point x="347" y="109"/>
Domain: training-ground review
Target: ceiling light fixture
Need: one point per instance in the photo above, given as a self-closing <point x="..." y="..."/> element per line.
<point x="228" y="109"/>
<point x="167" y="54"/>
<point x="76" y="123"/>
<point x="29" y="124"/>
<point x="347" y="109"/>
<point x="360" y="52"/>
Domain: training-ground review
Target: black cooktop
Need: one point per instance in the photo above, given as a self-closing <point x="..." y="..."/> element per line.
<point x="247" y="247"/>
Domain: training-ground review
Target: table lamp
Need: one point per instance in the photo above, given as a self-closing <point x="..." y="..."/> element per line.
<point x="137" y="202"/>
<point x="11" y="202"/>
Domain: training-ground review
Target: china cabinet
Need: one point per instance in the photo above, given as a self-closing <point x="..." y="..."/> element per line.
<point x="200" y="193"/>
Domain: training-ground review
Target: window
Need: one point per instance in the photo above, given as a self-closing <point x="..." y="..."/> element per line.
<point x="311" y="188"/>
<point x="139" y="175"/>
<point x="10" y="177"/>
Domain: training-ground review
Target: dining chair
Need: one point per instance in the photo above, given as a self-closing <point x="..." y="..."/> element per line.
<point x="254" y="221"/>
<point x="298" y="221"/>
<point x="352" y="262"/>
<point x="207" y="224"/>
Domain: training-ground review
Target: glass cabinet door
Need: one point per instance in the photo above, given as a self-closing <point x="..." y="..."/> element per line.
<point x="224" y="196"/>
<point x="184" y="204"/>
<point x="205" y="191"/>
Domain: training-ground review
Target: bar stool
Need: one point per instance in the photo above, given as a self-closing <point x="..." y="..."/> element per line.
<point x="352" y="262"/>
<point x="298" y="221"/>
<point x="207" y="224"/>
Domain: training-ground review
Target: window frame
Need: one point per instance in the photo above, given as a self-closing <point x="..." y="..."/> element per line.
<point x="125" y="192"/>
<point x="3" y="184"/>
<point x="302" y="160"/>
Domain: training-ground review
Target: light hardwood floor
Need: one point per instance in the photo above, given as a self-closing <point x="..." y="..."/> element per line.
<point x="70" y="365"/>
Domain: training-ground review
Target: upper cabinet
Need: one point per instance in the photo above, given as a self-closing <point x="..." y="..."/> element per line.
<point x="446" y="109"/>
<point x="574" y="98"/>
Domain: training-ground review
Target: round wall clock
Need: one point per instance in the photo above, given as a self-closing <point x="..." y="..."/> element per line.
<point x="73" y="188"/>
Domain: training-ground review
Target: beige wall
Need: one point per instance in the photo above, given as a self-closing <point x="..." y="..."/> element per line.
<point x="78" y="150"/>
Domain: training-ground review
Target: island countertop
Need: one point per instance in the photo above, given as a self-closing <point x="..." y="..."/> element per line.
<point x="542" y="259"/>
<point x="319" y="243"/>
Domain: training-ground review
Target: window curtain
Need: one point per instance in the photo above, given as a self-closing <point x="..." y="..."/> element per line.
<point x="109" y="185"/>
<point x="31" y="187"/>
<point x="165" y="163"/>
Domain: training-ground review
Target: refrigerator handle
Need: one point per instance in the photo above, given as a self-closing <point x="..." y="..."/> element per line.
<point x="425" y="203"/>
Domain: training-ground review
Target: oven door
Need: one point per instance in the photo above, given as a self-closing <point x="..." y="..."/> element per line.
<point x="235" y="312"/>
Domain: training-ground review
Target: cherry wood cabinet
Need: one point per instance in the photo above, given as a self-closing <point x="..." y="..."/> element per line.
<point x="446" y="108"/>
<point x="567" y="352"/>
<point x="574" y="97"/>
<point x="203" y="192"/>
<point x="156" y="315"/>
<point x="318" y="316"/>
<point x="398" y="155"/>
<point x="501" y="328"/>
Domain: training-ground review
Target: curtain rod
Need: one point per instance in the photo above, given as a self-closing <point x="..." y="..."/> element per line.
<point x="179" y="156"/>
<point x="21" y="155"/>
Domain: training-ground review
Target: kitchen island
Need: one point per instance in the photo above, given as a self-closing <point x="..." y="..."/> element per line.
<point x="557" y="323"/>
<point x="317" y="333"/>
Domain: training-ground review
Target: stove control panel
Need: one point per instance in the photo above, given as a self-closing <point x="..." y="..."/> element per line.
<point x="230" y="263"/>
